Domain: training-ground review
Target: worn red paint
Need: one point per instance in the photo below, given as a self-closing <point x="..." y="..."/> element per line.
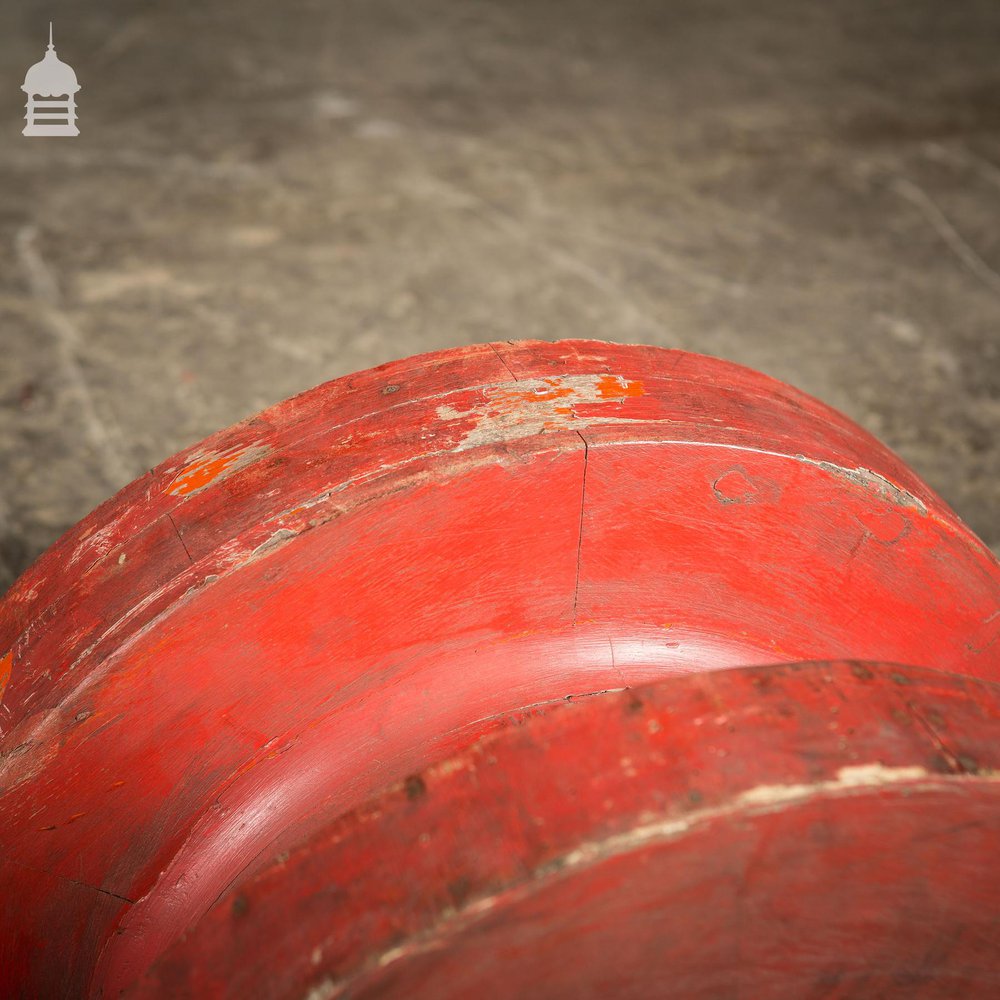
<point x="766" y="833"/>
<point x="380" y="577"/>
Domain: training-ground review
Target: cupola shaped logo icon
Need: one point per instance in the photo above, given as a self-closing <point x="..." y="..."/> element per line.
<point x="51" y="78"/>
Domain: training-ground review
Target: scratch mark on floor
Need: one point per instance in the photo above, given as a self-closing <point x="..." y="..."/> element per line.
<point x="943" y="227"/>
<point x="8" y="572"/>
<point x="563" y="259"/>
<point x="106" y="439"/>
<point x="964" y="157"/>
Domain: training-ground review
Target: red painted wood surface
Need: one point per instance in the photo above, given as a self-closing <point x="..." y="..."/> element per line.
<point x="823" y="830"/>
<point x="269" y="627"/>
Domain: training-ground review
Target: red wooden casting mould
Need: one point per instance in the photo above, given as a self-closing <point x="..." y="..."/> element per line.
<point x="222" y="664"/>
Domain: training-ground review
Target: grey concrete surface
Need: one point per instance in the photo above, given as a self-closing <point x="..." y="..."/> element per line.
<point x="266" y="196"/>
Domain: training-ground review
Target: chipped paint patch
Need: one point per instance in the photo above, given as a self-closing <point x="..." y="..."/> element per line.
<point x="616" y="387"/>
<point x="859" y="776"/>
<point x="25" y="596"/>
<point x="212" y="466"/>
<point x="95" y="543"/>
<point x="325" y="989"/>
<point x="871" y="481"/>
<point x="763" y="798"/>
<point x="537" y="405"/>
<point x="279" y="536"/>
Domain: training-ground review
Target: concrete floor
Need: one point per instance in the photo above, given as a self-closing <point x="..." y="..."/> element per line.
<point x="266" y="196"/>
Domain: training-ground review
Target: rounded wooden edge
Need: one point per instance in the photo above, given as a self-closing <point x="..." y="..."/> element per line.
<point x="393" y="384"/>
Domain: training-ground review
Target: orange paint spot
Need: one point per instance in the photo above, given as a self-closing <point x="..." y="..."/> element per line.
<point x="616" y="387"/>
<point x="199" y="474"/>
<point x="6" y="664"/>
<point x="202" y="471"/>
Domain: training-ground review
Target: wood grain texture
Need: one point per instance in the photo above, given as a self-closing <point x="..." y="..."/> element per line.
<point x="260" y="633"/>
